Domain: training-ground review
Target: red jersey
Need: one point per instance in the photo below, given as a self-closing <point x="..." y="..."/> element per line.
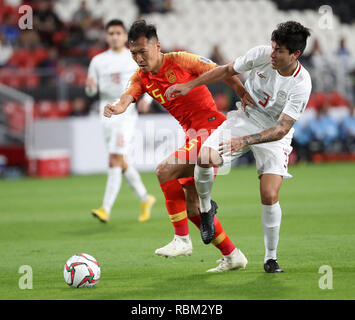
<point x="196" y="110"/>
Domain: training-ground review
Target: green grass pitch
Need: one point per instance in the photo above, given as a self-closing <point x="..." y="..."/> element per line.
<point x="44" y="222"/>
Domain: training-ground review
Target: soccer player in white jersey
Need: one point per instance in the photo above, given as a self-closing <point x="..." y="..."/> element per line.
<point x="109" y="73"/>
<point x="280" y="88"/>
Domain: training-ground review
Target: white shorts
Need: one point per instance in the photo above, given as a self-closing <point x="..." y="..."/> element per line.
<point x="118" y="133"/>
<point x="270" y="157"/>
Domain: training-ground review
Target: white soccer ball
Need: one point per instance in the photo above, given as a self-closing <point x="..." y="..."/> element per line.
<point x="82" y="271"/>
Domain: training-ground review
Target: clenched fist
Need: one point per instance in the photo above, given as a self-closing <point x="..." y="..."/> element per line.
<point x="109" y="110"/>
<point x="113" y="108"/>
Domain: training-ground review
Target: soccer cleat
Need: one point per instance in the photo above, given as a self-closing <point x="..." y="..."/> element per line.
<point x="235" y="260"/>
<point x="207" y="223"/>
<point x="101" y="214"/>
<point x="146" y="208"/>
<point x="271" y="266"/>
<point x="175" y="248"/>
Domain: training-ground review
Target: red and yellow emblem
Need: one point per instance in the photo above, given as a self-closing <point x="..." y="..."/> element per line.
<point x="170" y="75"/>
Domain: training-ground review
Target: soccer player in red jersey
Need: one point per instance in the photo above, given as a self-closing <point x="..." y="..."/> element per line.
<point x="197" y="114"/>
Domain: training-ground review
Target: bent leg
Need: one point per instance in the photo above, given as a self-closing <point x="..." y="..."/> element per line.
<point x="168" y="174"/>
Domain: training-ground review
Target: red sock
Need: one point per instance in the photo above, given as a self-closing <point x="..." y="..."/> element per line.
<point x="221" y="239"/>
<point x="176" y="206"/>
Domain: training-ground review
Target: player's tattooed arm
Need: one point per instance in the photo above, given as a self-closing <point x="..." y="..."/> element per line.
<point x="118" y="106"/>
<point x="283" y="126"/>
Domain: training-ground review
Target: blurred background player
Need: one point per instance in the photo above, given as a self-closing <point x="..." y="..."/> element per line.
<point x="281" y="87"/>
<point x="198" y="116"/>
<point x="108" y="74"/>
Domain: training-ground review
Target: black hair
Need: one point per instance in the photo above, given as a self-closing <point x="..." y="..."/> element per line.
<point x="115" y="22"/>
<point x="139" y="29"/>
<point x="292" y="35"/>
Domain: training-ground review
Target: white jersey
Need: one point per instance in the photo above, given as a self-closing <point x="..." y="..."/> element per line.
<point x="273" y="94"/>
<point x="112" y="71"/>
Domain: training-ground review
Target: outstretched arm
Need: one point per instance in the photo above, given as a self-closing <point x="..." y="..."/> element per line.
<point x="222" y="73"/>
<point x="119" y="106"/>
<point x="214" y="75"/>
<point x="283" y="126"/>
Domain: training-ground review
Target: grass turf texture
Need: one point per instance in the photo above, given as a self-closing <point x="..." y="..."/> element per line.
<point x="44" y="222"/>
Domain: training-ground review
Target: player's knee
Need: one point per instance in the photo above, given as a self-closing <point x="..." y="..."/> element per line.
<point x="160" y="170"/>
<point x="269" y="196"/>
<point x="116" y="160"/>
<point x="163" y="172"/>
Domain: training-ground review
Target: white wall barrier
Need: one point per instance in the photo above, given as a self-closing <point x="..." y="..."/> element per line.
<point x="156" y="136"/>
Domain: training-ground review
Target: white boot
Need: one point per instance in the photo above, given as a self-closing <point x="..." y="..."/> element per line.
<point x="175" y="248"/>
<point x="234" y="260"/>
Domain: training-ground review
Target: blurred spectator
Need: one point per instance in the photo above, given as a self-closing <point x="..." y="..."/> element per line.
<point x="51" y="61"/>
<point x="347" y="130"/>
<point x="342" y="50"/>
<point x="217" y="56"/>
<point x="46" y="21"/>
<point x="49" y="66"/>
<point x="149" y="6"/>
<point x="331" y="71"/>
<point x="301" y="140"/>
<point x="82" y="16"/>
<point x="6" y="50"/>
<point x="76" y="38"/>
<point x="144" y="7"/>
<point x="79" y="107"/>
<point x="162" y="6"/>
<point x="29" y="39"/>
<point x="324" y="131"/>
<point x="10" y="29"/>
<point x="320" y="68"/>
<point x="95" y="33"/>
<point x="343" y="64"/>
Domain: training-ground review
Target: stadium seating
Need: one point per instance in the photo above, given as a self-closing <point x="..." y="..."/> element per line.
<point x="193" y="25"/>
<point x="207" y="24"/>
<point x="196" y="26"/>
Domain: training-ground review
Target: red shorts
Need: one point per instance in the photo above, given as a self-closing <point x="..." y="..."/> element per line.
<point x="189" y="151"/>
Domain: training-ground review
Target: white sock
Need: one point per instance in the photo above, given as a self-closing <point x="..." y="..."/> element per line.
<point x="271" y="221"/>
<point x="113" y="185"/>
<point x="204" y="181"/>
<point x="135" y="182"/>
<point x="184" y="238"/>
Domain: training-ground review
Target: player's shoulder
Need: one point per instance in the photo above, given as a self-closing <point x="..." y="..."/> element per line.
<point x="255" y="57"/>
<point x="259" y="51"/>
<point x="185" y="56"/>
<point x="302" y="77"/>
<point x="176" y="54"/>
<point x="100" y="57"/>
